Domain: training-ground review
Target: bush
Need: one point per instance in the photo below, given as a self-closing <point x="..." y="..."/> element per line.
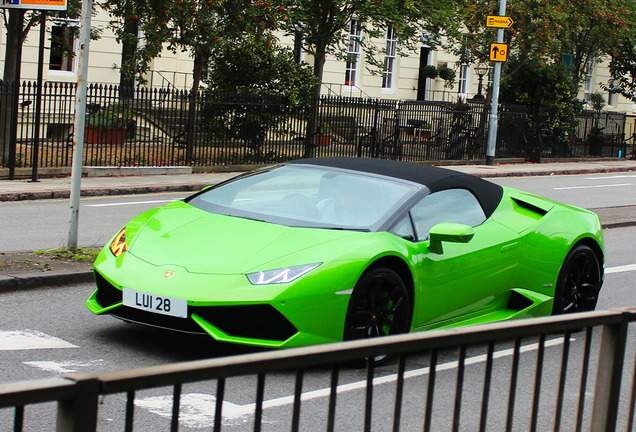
<point x="114" y="116"/>
<point x="551" y="96"/>
<point x="447" y="74"/>
<point x="429" y="71"/>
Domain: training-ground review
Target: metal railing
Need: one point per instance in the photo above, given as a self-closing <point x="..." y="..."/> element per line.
<point x="561" y="359"/>
<point x="180" y="81"/>
<point x="149" y="127"/>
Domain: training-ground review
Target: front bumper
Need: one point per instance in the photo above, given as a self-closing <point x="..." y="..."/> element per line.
<point x="228" y="308"/>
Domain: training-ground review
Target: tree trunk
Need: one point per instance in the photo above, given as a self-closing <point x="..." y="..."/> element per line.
<point x="312" y="124"/>
<point x="15" y="37"/>
<point x="200" y="61"/>
<point x="128" y="49"/>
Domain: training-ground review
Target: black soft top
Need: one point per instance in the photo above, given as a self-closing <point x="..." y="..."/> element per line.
<point x="434" y="178"/>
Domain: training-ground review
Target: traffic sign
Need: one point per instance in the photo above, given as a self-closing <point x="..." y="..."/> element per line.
<point x="56" y="5"/>
<point x="499" y="21"/>
<point x="498" y="52"/>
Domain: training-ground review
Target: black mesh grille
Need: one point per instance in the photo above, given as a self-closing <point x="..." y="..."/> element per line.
<point x="156" y="320"/>
<point x="107" y="294"/>
<point x="250" y="321"/>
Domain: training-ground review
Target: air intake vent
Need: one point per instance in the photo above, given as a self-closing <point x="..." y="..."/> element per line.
<point x="533" y="208"/>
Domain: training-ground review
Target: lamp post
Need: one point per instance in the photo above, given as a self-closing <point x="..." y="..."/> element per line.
<point x="481" y="69"/>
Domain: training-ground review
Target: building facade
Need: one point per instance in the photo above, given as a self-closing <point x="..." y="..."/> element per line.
<point x="403" y="78"/>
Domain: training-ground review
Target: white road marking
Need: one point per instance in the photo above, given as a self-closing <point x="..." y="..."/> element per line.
<point x="197" y="409"/>
<point x="593" y="187"/>
<point x="128" y="203"/>
<point x="612" y="177"/>
<point x="63" y="367"/>
<point x="15" y="340"/>
<point x="620" y="269"/>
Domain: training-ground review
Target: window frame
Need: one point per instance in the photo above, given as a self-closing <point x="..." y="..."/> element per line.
<point x="589" y="79"/>
<point x="611" y="96"/>
<point x="390" y="61"/>
<point x="463" y="81"/>
<point x="418" y="237"/>
<point x="67" y="25"/>
<point x="353" y="60"/>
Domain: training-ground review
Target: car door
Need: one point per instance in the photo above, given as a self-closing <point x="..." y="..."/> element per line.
<point x="463" y="280"/>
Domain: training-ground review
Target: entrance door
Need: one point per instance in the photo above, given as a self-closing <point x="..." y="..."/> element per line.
<point x="425" y="53"/>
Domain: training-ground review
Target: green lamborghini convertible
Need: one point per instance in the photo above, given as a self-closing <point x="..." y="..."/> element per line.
<point x="332" y="249"/>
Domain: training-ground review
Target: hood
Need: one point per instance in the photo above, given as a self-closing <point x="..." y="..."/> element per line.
<point x="182" y="235"/>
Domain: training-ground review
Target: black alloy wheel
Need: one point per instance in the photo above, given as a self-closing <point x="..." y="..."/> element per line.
<point x="380" y="306"/>
<point x="579" y="282"/>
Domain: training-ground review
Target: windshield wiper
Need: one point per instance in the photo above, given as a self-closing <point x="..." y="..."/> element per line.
<point x="340" y="228"/>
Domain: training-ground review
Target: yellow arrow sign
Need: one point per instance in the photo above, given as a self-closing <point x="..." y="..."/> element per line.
<point x="499" y="21"/>
<point x="498" y="52"/>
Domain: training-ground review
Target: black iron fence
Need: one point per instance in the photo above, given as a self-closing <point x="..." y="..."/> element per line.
<point x="571" y="373"/>
<point x="164" y="127"/>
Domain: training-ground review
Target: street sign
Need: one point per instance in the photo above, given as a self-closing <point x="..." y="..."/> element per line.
<point x="53" y="5"/>
<point x="499" y="21"/>
<point x="498" y="52"/>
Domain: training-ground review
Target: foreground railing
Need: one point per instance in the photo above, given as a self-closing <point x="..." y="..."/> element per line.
<point x="504" y="377"/>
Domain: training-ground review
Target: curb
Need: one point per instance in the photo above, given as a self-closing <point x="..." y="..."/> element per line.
<point x="539" y="173"/>
<point x="44" y="280"/>
<point x="132" y="190"/>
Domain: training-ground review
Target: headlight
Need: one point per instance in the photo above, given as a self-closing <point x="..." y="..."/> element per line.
<point x="283" y="275"/>
<point x="118" y="246"/>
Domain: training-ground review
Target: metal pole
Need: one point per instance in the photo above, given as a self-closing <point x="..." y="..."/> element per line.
<point x="608" y="376"/>
<point x="13" y="135"/>
<point x="78" y="126"/>
<point x="38" y="101"/>
<point x="492" y="121"/>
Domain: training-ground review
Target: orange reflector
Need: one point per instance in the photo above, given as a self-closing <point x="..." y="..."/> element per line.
<point x="118" y="246"/>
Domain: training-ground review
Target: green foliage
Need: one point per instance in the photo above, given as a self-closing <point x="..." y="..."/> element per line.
<point x="256" y="66"/>
<point x="429" y="71"/>
<point x="324" y="128"/>
<point x="597" y="101"/>
<point x="79" y="254"/>
<point x="544" y="31"/>
<point x="115" y="116"/>
<point x="323" y="26"/>
<point x="447" y="74"/>
<point x="19" y="161"/>
<point x="550" y="93"/>
<point x="200" y="27"/>
<point x="268" y="85"/>
<point x="623" y="67"/>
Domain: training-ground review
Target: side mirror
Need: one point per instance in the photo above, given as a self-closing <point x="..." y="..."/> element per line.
<point x="449" y="232"/>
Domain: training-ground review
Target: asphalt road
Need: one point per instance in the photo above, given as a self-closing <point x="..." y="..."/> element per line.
<point x="587" y="191"/>
<point x="99" y="219"/>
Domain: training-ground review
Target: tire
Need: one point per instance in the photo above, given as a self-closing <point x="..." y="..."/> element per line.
<point x="579" y="282"/>
<point x="380" y="305"/>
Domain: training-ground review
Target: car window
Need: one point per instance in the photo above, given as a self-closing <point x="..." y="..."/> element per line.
<point x="451" y="205"/>
<point x="404" y="228"/>
<point x="298" y="195"/>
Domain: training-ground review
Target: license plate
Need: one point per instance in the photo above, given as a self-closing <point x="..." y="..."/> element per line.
<point x="154" y="303"/>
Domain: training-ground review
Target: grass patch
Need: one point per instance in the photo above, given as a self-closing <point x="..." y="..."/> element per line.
<point x="79" y="254"/>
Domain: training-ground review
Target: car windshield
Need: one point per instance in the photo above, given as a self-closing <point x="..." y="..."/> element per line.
<point x="308" y="196"/>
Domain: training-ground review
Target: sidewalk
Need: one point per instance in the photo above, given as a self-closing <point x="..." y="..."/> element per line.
<point x="46" y="188"/>
<point x="25" y="270"/>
